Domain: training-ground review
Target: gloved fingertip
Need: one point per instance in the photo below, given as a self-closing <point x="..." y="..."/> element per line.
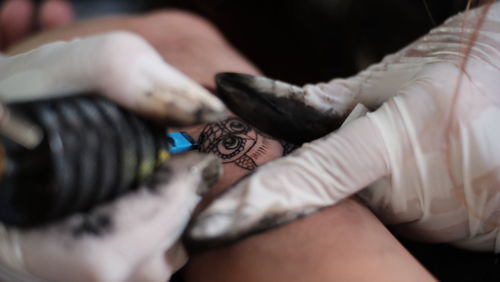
<point x="207" y="168"/>
<point x="216" y="228"/>
<point x="188" y="104"/>
<point x="176" y="114"/>
<point x="274" y="107"/>
<point x="211" y="170"/>
<point x="207" y="233"/>
<point x="210" y="114"/>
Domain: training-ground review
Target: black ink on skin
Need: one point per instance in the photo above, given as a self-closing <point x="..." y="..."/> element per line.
<point x="230" y="140"/>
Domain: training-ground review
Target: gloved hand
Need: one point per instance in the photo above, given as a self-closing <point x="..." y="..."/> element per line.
<point x="430" y="153"/>
<point x="121" y="66"/>
<point x="133" y="238"/>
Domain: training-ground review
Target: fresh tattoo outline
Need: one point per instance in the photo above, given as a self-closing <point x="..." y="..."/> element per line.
<point x="232" y="140"/>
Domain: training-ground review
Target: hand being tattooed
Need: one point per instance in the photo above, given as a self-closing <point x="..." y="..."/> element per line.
<point x="240" y="146"/>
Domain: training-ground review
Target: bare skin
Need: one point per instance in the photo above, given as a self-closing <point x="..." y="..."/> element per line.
<point x="345" y="242"/>
<point x="21" y="18"/>
<point x="341" y="243"/>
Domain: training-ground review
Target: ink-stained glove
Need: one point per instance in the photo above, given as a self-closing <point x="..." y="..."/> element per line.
<point x="131" y="239"/>
<point x="134" y="237"/>
<point x="121" y="66"/>
<point x="430" y="153"/>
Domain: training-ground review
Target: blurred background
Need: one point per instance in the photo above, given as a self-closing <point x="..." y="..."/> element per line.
<point x="308" y="41"/>
<point x="302" y="41"/>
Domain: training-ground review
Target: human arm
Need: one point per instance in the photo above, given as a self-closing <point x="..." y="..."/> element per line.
<point x="343" y="242"/>
<point x="422" y="144"/>
<point x="157" y="24"/>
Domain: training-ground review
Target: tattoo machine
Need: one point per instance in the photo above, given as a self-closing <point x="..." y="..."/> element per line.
<point x="63" y="156"/>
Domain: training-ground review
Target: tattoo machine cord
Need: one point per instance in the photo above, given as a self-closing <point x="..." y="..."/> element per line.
<point x="90" y="151"/>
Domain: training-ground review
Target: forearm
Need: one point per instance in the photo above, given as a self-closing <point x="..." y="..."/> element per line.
<point x="345" y="242"/>
<point x="342" y="242"/>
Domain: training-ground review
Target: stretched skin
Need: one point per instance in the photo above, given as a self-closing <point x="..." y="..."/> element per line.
<point x="428" y="153"/>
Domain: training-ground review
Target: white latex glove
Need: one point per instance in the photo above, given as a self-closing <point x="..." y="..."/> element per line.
<point x="133" y="238"/>
<point x="121" y="66"/>
<point x="430" y="154"/>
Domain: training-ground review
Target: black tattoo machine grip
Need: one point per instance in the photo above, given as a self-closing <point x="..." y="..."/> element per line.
<point x="92" y="152"/>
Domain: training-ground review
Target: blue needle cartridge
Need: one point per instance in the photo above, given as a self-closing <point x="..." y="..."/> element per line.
<point x="180" y="142"/>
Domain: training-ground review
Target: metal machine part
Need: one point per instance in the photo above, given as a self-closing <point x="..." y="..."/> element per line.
<point x="92" y="152"/>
